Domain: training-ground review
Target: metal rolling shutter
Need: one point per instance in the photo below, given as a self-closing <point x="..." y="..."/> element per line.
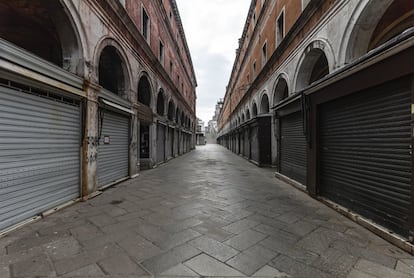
<point x="365" y="161"/>
<point x="113" y="158"/>
<point x="160" y="143"/>
<point x="293" y="148"/>
<point x="39" y="155"/>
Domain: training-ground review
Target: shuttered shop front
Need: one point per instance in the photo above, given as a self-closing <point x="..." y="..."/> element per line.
<point x="39" y="154"/>
<point x="293" y="147"/>
<point x="113" y="150"/>
<point x="365" y="161"/>
<point x="160" y="143"/>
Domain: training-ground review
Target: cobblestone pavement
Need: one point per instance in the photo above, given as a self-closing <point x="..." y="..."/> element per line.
<point x="207" y="213"/>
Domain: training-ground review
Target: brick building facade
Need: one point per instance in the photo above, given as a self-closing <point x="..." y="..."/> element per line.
<point x="91" y="92"/>
<point x="322" y="91"/>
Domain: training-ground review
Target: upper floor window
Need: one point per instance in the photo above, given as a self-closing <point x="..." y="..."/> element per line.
<point x="145" y="25"/>
<point x="280" y="28"/>
<point x="264" y="54"/>
<point x="254" y="69"/>
<point x="171" y="69"/>
<point x="161" y="54"/>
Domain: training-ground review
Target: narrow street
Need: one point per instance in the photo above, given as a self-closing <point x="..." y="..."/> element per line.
<point x="210" y="213"/>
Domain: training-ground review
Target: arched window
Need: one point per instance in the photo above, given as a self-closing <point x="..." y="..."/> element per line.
<point x="111" y="73"/>
<point x="171" y="109"/>
<point x="314" y="67"/>
<point x="254" y="109"/>
<point x="144" y="91"/>
<point x="160" y="103"/>
<point x="281" y="91"/>
<point x="264" y="104"/>
<point x="43" y="28"/>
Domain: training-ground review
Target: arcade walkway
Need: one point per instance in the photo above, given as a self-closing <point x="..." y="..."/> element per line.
<point x="207" y="213"/>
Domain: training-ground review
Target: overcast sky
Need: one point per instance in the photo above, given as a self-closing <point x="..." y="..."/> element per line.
<point x="212" y="29"/>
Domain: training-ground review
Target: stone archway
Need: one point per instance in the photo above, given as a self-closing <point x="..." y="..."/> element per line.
<point x="52" y="36"/>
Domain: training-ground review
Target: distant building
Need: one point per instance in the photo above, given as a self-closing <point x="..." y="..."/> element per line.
<point x="323" y="92"/>
<point x="200" y="133"/>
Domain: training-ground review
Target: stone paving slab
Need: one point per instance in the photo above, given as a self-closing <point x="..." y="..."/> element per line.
<point x="208" y="213"/>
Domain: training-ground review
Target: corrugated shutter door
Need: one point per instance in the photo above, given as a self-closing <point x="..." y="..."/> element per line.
<point x="113" y="158"/>
<point x="365" y="161"/>
<point x="39" y="155"/>
<point x="293" y="148"/>
<point x="160" y="143"/>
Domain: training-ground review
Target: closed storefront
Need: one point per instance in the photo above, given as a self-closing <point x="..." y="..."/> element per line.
<point x="292" y="147"/>
<point x="246" y="148"/>
<point x="260" y="141"/>
<point x="160" y="143"/>
<point x="39" y="153"/>
<point x="113" y="150"/>
<point x="365" y="160"/>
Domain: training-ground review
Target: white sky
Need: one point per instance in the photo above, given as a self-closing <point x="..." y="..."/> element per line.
<point x="212" y="29"/>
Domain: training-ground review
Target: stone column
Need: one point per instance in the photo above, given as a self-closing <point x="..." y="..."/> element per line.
<point x="90" y="140"/>
<point x="133" y="146"/>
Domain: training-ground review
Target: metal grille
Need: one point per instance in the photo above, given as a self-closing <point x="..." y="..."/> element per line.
<point x="293" y="148"/>
<point x="365" y="161"/>
<point x="113" y="155"/>
<point x="39" y="155"/>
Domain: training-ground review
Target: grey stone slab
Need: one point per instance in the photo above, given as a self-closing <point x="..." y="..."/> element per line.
<point x="86" y="258"/>
<point x="102" y="220"/>
<point x="363" y="252"/>
<point x="129" y="216"/>
<point x="245" y="239"/>
<point x="139" y="248"/>
<point x="297" y="269"/>
<point x="214" y="248"/>
<point x="300" y="228"/>
<point x="165" y="261"/>
<point x="378" y="270"/>
<point x="276" y="233"/>
<point x="63" y="248"/>
<point x="151" y="232"/>
<point x="38" y="266"/>
<point x="182" y="225"/>
<point x="335" y="262"/>
<point x="405" y="266"/>
<point x="355" y="273"/>
<point x="252" y="259"/>
<point x="177" y="239"/>
<point x="5" y="270"/>
<point x="207" y="266"/>
<point x="91" y="270"/>
<point x="179" y="270"/>
<point x="86" y="232"/>
<point x="267" y="221"/>
<point x="121" y="264"/>
<point x="317" y="241"/>
<point x="289" y="249"/>
<point x="240" y="226"/>
<point x="268" y="271"/>
<point x="213" y="233"/>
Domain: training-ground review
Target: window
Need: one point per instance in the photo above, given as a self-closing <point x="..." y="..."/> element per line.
<point x="171" y="18"/>
<point x="254" y="69"/>
<point x="280" y="28"/>
<point x="171" y="69"/>
<point x="264" y="54"/>
<point x="145" y="25"/>
<point x="254" y="18"/>
<point x="161" y="54"/>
